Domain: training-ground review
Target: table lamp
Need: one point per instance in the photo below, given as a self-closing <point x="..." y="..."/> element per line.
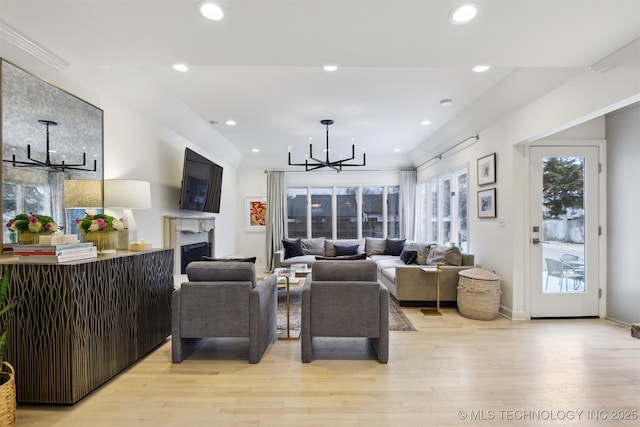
<point x="81" y="194"/>
<point x="127" y="194"/>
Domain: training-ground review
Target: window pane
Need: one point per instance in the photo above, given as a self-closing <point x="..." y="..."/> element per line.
<point x="296" y="212"/>
<point x="433" y="210"/>
<point x="445" y="190"/>
<point x="321" y="212"/>
<point x="372" y="211"/>
<point x="393" y="211"/>
<point x="462" y="211"/>
<point x="347" y="212"/>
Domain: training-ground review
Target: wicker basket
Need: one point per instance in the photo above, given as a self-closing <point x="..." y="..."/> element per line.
<point x="478" y="294"/>
<point x="7" y="395"/>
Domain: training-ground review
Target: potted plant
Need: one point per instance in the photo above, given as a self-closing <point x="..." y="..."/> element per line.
<point x="7" y="380"/>
<point x="101" y="229"/>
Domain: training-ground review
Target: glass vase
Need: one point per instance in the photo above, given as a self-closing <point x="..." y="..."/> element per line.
<point x="29" y="237"/>
<point x="105" y="241"/>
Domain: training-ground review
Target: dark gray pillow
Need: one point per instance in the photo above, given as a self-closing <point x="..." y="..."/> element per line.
<point x="292" y="249"/>
<point x="449" y="255"/>
<point x="409" y="256"/>
<point x="393" y="247"/>
<point x="346" y="250"/>
<point x="342" y="257"/>
<point x="208" y="258"/>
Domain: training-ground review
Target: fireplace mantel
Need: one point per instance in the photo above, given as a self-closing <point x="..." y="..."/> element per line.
<point x="182" y="230"/>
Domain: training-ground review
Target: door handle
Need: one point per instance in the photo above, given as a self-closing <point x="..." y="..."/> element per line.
<point x="537" y="241"/>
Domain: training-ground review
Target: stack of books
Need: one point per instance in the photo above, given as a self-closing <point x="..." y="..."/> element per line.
<point x="47" y="254"/>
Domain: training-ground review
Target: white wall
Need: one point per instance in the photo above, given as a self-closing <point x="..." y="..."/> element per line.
<point x="144" y="138"/>
<point x="623" y="228"/>
<point x="504" y="249"/>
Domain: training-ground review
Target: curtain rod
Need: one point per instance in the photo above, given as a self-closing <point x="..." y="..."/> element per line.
<point x="439" y="156"/>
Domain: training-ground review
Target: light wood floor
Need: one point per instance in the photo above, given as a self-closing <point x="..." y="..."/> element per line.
<point x="453" y="371"/>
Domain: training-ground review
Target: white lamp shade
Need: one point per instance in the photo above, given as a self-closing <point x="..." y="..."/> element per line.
<point x="82" y="193"/>
<point x="128" y="194"/>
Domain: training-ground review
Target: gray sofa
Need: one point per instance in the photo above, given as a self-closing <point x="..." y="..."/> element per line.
<point x="408" y="283"/>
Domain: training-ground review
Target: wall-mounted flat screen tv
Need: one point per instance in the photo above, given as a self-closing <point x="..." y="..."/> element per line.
<point x="201" y="183"/>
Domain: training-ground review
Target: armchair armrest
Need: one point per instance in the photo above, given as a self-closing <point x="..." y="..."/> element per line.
<point x="263" y="318"/>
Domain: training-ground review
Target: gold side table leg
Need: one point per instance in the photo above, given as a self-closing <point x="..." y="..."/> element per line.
<point x="436" y="312"/>
<point x="288" y="337"/>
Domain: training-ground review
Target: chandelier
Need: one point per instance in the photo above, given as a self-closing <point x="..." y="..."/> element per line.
<point x="311" y="163"/>
<point x="61" y="167"/>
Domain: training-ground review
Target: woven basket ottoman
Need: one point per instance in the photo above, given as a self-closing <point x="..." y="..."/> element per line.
<point x="478" y="294"/>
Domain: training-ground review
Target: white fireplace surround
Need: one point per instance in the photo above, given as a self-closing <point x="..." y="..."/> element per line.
<point x="181" y="230"/>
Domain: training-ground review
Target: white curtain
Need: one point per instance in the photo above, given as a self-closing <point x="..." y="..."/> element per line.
<point x="408" y="204"/>
<point x="276" y="214"/>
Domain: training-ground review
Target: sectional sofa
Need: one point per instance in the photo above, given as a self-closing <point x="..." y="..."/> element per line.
<point x="399" y="264"/>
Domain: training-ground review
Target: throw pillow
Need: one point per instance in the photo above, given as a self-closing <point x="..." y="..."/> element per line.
<point x="374" y="245"/>
<point x="313" y="246"/>
<point x="449" y="255"/>
<point x="292" y="249"/>
<point x="342" y="257"/>
<point x="346" y="250"/>
<point x="208" y="258"/>
<point x="423" y="252"/>
<point x="409" y="256"/>
<point x="393" y="247"/>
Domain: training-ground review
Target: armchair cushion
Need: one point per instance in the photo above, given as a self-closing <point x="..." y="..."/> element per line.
<point x="232" y="271"/>
<point x="342" y="257"/>
<point x="208" y="258"/>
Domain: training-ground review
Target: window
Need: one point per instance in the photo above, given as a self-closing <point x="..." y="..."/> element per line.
<point x="442" y="209"/>
<point x="297" y="212"/>
<point x="343" y="212"/>
<point x="347" y="212"/>
<point x="321" y="212"/>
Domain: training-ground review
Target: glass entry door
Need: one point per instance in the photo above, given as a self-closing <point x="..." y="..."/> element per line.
<point x="564" y="231"/>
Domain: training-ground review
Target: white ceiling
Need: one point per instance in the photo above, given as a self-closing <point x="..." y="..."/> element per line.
<point x="262" y="64"/>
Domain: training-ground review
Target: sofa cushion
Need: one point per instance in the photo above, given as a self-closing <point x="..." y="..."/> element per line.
<point x="393" y="247"/>
<point x="449" y="255"/>
<point x="374" y="245"/>
<point x="408" y="256"/>
<point x="329" y="249"/>
<point x="389" y="273"/>
<point x="313" y="246"/>
<point x="346" y="250"/>
<point x="342" y="257"/>
<point x="304" y="259"/>
<point x="292" y="248"/>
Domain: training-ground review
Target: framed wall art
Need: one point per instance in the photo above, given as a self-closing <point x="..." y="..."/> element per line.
<point x="487" y="203"/>
<point x="487" y="169"/>
<point x="256" y="213"/>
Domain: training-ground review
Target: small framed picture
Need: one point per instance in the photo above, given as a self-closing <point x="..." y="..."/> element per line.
<point x="487" y="203"/>
<point x="256" y="213"/>
<point x="487" y="169"/>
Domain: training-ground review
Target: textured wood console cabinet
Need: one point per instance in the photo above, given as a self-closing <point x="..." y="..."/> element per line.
<point x="78" y="324"/>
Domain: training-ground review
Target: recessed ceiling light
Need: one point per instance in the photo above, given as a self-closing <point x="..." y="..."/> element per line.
<point x="480" y="68"/>
<point x="446" y="102"/>
<point x="425" y="122"/>
<point x="256" y="150"/>
<point x="463" y="14"/>
<point x="330" y="67"/>
<point x="396" y="150"/>
<point x="211" y="11"/>
<point x="180" y="67"/>
<point x="230" y="122"/>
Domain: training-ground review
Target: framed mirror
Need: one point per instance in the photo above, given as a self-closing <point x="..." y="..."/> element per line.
<point x="48" y="136"/>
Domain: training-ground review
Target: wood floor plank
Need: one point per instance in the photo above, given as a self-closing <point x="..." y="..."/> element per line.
<point x="452" y="371"/>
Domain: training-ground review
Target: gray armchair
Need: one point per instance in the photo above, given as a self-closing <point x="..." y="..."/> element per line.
<point x="345" y="299"/>
<point x="223" y="299"/>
